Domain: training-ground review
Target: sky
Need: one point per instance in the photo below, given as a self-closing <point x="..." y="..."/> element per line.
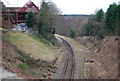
<point x="69" y="6"/>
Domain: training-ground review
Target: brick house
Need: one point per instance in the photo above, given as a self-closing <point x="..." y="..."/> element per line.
<point x="15" y="15"/>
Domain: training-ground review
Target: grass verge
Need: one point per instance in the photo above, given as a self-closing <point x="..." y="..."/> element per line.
<point x="30" y="44"/>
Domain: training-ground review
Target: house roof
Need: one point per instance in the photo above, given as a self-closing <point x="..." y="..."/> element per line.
<point x="29" y="6"/>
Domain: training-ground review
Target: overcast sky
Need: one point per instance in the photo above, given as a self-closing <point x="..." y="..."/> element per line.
<point x="69" y="6"/>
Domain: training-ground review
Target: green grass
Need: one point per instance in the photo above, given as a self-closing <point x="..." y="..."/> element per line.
<point x="41" y="41"/>
<point x="29" y="44"/>
<point x="22" y="66"/>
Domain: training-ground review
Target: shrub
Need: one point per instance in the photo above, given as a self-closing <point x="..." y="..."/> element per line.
<point x="101" y="33"/>
<point x="71" y="33"/>
<point x="23" y="66"/>
<point x="30" y="19"/>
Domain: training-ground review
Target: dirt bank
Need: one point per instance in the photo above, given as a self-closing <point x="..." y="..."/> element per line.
<point x="101" y="57"/>
<point x="17" y="56"/>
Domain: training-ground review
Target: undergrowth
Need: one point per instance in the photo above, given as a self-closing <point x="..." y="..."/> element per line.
<point x="23" y="66"/>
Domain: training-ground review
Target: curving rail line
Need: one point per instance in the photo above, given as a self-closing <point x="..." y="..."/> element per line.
<point x="69" y="65"/>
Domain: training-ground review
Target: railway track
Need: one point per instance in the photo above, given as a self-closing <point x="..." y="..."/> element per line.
<point x="69" y="65"/>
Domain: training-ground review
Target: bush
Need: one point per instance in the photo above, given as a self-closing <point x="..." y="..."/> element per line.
<point x="101" y="33"/>
<point x="30" y="19"/>
<point x="71" y="33"/>
<point x="23" y="66"/>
